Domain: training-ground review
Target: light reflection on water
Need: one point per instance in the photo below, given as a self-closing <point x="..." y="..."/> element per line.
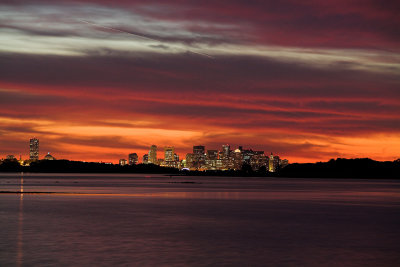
<point x="20" y="252"/>
<point x="128" y="220"/>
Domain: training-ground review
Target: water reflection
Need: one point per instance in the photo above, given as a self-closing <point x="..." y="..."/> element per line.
<point x="91" y="221"/>
<point x="20" y="253"/>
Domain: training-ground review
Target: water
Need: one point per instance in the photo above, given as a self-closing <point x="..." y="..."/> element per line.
<point x="133" y="220"/>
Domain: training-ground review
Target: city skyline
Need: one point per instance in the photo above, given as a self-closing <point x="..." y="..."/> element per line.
<point x="199" y="159"/>
<point x="98" y="80"/>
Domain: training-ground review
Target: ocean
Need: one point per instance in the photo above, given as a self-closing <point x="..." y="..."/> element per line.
<point x="157" y="220"/>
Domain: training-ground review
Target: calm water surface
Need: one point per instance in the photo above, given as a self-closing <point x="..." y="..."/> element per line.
<point x="153" y="220"/>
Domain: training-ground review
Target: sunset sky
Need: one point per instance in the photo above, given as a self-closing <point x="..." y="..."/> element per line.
<point x="95" y="80"/>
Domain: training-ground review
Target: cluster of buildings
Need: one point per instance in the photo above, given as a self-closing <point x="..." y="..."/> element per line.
<point x="202" y="159"/>
<point x="33" y="154"/>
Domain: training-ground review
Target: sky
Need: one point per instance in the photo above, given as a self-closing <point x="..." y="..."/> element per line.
<point x="96" y="80"/>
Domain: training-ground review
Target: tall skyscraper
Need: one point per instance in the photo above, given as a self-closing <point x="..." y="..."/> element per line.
<point x="198" y="156"/>
<point x="226" y="149"/>
<point x="34" y="149"/>
<point x="133" y="159"/>
<point x="271" y="166"/>
<point x="153" y="154"/>
<point x="237" y="157"/>
<point x="199" y="151"/>
<point x="169" y="152"/>
<point x="189" y="160"/>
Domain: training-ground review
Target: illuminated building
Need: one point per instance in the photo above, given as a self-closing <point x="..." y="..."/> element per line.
<point x="169" y="157"/>
<point x="258" y="160"/>
<point x="211" y="160"/>
<point x="226" y="149"/>
<point x="49" y="157"/>
<point x="22" y="162"/>
<point x="199" y="151"/>
<point x="271" y="163"/>
<point x="198" y="157"/>
<point x="227" y="161"/>
<point x="247" y="155"/>
<point x="123" y="162"/>
<point x="237" y="159"/>
<point x="153" y="154"/>
<point x="10" y="157"/>
<point x="219" y="164"/>
<point x="189" y="161"/>
<point x="34" y="149"/>
<point x="133" y="159"/>
<point x="169" y="153"/>
<point x="277" y="163"/>
<point x="183" y="164"/>
<point x="212" y="154"/>
<point x="145" y="159"/>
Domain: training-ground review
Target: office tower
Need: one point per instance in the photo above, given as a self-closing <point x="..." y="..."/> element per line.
<point x="133" y="159"/>
<point x="169" y="153"/>
<point x="199" y="153"/>
<point x="226" y="151"/>
<point x="169" y="157"/>
<point x="211" y="160"/>
<point x="247" y="155"/>
<point x="189" y="160"/>
<point x="259" y="160"/>
<point x="123" y="162"/>
<point x="271" y="163"/>
<point x="145" y="159"/>
<point x="277" y="163"/>
<point x="176" y="157"/>
<point x="237" y="157"/>
<point x="198" y="150"/>
<point x="153" y="154"/>
<point x="34" y="149"/>
<point x="212" y="154"/>
<point x="198" y="156"/>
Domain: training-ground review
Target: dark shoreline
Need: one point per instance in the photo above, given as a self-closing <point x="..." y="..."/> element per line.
<point x="336" y="169"/>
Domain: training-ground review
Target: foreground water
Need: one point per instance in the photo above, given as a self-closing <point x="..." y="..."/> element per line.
<point x="137" y="220"/>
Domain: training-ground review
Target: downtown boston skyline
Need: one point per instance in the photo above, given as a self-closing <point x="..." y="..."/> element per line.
<point x="96" y="80"/>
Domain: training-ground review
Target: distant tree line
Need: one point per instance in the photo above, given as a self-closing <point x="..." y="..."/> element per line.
<point x="344" y="168"/>
<point x="67" y="166"/>
<point x="335" y="168"/>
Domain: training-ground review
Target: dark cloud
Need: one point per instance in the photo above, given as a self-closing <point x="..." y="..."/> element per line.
<point x="102" y="141"/>
<point x="193" y="74"/>
<point x="10" y="99"/>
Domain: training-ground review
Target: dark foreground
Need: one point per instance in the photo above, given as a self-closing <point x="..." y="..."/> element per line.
<point x="335" y="168"/>
<point x="126" y="220"/>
